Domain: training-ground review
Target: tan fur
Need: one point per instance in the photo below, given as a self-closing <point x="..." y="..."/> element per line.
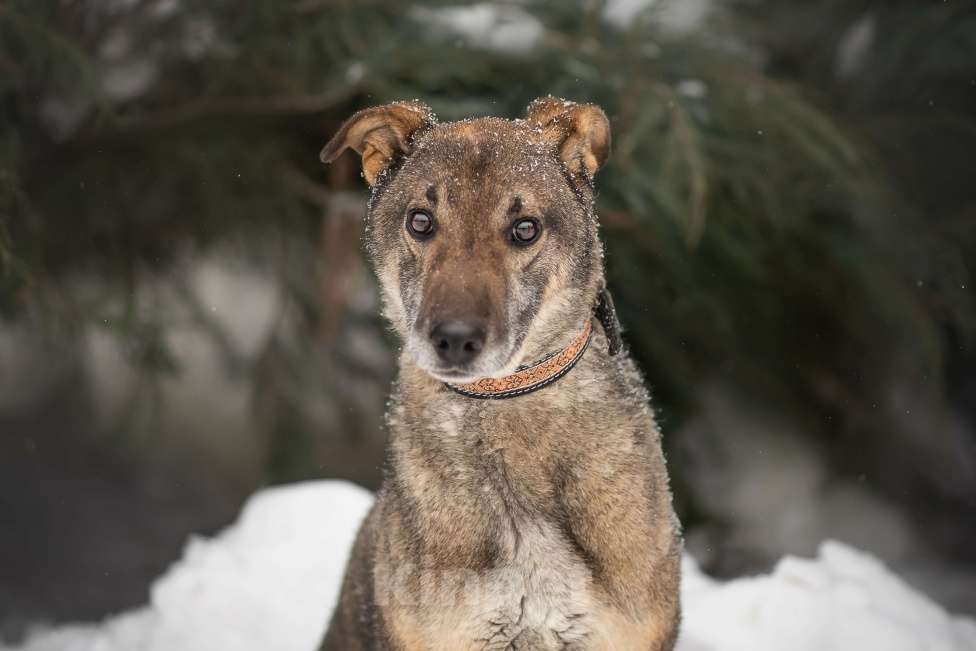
<point x="539" y="522"/>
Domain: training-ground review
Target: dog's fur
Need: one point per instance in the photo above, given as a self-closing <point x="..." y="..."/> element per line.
<point x="538" y="522"/>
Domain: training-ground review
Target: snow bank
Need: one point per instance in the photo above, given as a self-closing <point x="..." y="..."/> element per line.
<point x="266" y="583"/>
<point x="844" y="600"/>
<point x="270" y="581"/>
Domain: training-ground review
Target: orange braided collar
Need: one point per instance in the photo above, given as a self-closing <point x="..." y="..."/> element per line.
<point x="528" y="379"/>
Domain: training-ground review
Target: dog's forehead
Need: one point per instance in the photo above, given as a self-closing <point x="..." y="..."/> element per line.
<point x="484" y="146"/>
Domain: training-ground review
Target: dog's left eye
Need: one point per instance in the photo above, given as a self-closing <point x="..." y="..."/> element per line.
<point x="420" y="223"/>
<point x="525" y="231"/>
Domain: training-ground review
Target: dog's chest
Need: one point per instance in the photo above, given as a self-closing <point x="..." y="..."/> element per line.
<point x="538" y="596"/>
<point x="537" y="591"/>
<point x="541" y="589"/>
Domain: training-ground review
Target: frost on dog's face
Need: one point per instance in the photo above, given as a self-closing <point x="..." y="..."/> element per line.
<point x="482" y="231"/>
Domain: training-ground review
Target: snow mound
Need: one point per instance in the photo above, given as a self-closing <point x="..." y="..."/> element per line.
<point x="844" y="600"/>
<point x="270" y="581"/>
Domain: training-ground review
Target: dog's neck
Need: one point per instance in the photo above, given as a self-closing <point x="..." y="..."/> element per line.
<point x="427" y="419"/>
<point x="549" y="364"/>
<point x="550" y="359"/>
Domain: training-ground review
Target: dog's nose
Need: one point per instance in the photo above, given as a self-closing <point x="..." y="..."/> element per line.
<point x="458" y="342"/>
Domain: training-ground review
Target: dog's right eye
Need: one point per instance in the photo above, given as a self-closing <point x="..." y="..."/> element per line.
<point x="420" y="223"/>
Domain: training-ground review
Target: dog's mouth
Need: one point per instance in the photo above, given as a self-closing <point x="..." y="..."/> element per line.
<point x="463" y="374"/>
<point x="494" y="360"/>
<point x="453" y="375"/>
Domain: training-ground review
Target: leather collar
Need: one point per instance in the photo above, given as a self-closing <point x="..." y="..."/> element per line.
<point x="530" y="378"/>
<point x="550" y="368"/>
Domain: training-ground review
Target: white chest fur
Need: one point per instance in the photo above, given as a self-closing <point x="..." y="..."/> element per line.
<point x="541" y="599"/>
<point x="539" y="596"/>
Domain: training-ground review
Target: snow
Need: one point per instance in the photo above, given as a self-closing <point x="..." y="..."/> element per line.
<point x="854" y="46"/>
<point x="270" y="580"/>
<point x="675" y="17"/>
<point x="843" y="600"/>
<point x="488" y="26"/>
<point x="267" y="582"/>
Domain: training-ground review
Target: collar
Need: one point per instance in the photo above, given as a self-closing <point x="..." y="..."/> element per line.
<point x="550" y="368"/>
<point x="530" y="378"/>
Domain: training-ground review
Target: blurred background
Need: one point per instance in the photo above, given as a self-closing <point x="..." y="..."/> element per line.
<point x="186" y="314"/>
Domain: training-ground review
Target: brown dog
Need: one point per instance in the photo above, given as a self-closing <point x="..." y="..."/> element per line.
<point x="540" y="521"/>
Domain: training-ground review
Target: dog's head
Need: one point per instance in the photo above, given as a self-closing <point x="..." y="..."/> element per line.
<point x="482" y="231"/>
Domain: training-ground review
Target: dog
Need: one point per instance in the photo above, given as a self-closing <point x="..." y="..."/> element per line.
<point x="525" y="503"/>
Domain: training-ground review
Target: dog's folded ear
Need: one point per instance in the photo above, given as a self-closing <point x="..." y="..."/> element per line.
<point x="580" y="132"/>
<point x="380" y="134"/>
